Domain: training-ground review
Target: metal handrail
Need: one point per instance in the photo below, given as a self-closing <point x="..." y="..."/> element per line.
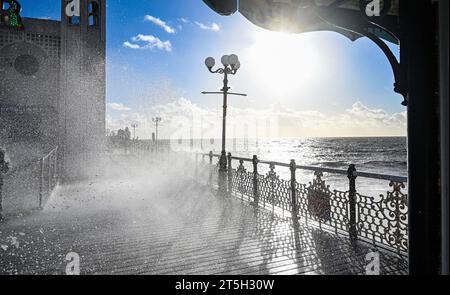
<point x="393" y="178"/>
<point x="381" y="220"/>
<point x="34" y="162"/>
<point x="48" y="179"/>
<point x="51" y="175"/>
<point x="51" y="153"/>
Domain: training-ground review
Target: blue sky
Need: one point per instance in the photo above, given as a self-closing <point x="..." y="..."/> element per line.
<point x="156" y="50"/>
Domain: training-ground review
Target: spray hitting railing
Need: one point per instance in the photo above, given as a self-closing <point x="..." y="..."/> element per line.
<point x="381" y="221"/>
<point x="48" y="176"/>
<point x="39" y="178"/>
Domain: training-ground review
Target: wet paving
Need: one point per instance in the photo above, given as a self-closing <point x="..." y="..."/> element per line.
<point x="158" y="221"/>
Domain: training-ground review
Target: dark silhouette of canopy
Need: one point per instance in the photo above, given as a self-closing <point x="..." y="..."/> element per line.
<point x="314" y="15"/>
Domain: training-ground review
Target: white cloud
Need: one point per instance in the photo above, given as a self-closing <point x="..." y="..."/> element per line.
<point x="184" y="20"/>
<point x="181" y="113"/>
<point x="360" y="110"/>
<point x="118" y="106"/>
<point x="131" y="45"/>
<point x="159" y="22"/>
<point x="149" y="42"/>
<point x="360" y="120"/>
<point x="212" y="27"/>
<point x="209" y="27"/>
<point x="124" y="120"/>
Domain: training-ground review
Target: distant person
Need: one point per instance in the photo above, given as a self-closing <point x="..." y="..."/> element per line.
<point x="4" y="167"/>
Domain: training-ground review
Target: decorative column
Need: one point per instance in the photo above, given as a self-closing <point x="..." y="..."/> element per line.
<point x="424" y="162"/>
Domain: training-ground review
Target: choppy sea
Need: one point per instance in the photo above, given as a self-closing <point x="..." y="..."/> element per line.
<point x="382" y="155"/>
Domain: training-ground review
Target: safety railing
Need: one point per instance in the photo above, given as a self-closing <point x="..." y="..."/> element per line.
<point x="40" y="178"/>
<point x="380" y="220"/>
<point x="48" y="176"/>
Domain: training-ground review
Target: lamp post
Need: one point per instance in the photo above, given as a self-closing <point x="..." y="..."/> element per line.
<point x="156" y="120"/>
<point x="231" y="65"/>
<point x="134" y="126"/>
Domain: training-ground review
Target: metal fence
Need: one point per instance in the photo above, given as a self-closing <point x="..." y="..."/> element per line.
<point x="380" y="220"/>
<point x="36" y="179"/>
<point x="48" y="176"/>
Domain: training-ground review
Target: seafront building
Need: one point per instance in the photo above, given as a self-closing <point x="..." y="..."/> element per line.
<point x="52" y="92"/>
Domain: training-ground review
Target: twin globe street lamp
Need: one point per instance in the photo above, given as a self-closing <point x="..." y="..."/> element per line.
<point x="231" y="65"/>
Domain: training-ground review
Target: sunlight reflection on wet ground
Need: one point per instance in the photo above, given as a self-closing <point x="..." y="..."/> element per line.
<point x="157" y="221"/>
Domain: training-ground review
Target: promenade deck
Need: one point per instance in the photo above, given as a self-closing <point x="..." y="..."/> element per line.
<point x="157" y="222"/>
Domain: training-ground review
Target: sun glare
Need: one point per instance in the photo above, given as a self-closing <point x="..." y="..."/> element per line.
<point x="283" y="63"/>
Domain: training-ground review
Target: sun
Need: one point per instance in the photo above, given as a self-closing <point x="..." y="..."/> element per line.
<point x="282" y="63"/>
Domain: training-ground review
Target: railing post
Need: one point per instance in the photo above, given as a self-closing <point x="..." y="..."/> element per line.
<point x="41" y="182"/>
<point x="4" y="167"/>
<point x="49" y="167"/>
<point x="196" y="167"/>
<point x="255" y="180"/>
<point x="55" y="168"/>
<point x="202" y="166"/>
<point x="293" y="168"/>
<point x="1" y="197"/>
<point x="211" y="168"/>
<point x="230" y="174"/>
<point x="351" y="173"/>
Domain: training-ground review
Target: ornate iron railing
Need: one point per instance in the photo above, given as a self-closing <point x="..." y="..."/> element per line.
<point x="380" y="220"/>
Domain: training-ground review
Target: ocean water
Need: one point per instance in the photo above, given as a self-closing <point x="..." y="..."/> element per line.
<point x="382" y="155"/>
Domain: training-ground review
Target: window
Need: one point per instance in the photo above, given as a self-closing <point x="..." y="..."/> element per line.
<point x="74" y="20"/>
<point x="26" y="64"/>
<point x="94" y="14"/>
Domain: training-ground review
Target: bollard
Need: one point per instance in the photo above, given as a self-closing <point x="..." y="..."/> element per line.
<point x="255" y="180"/>
<point x="351" y="173"/>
